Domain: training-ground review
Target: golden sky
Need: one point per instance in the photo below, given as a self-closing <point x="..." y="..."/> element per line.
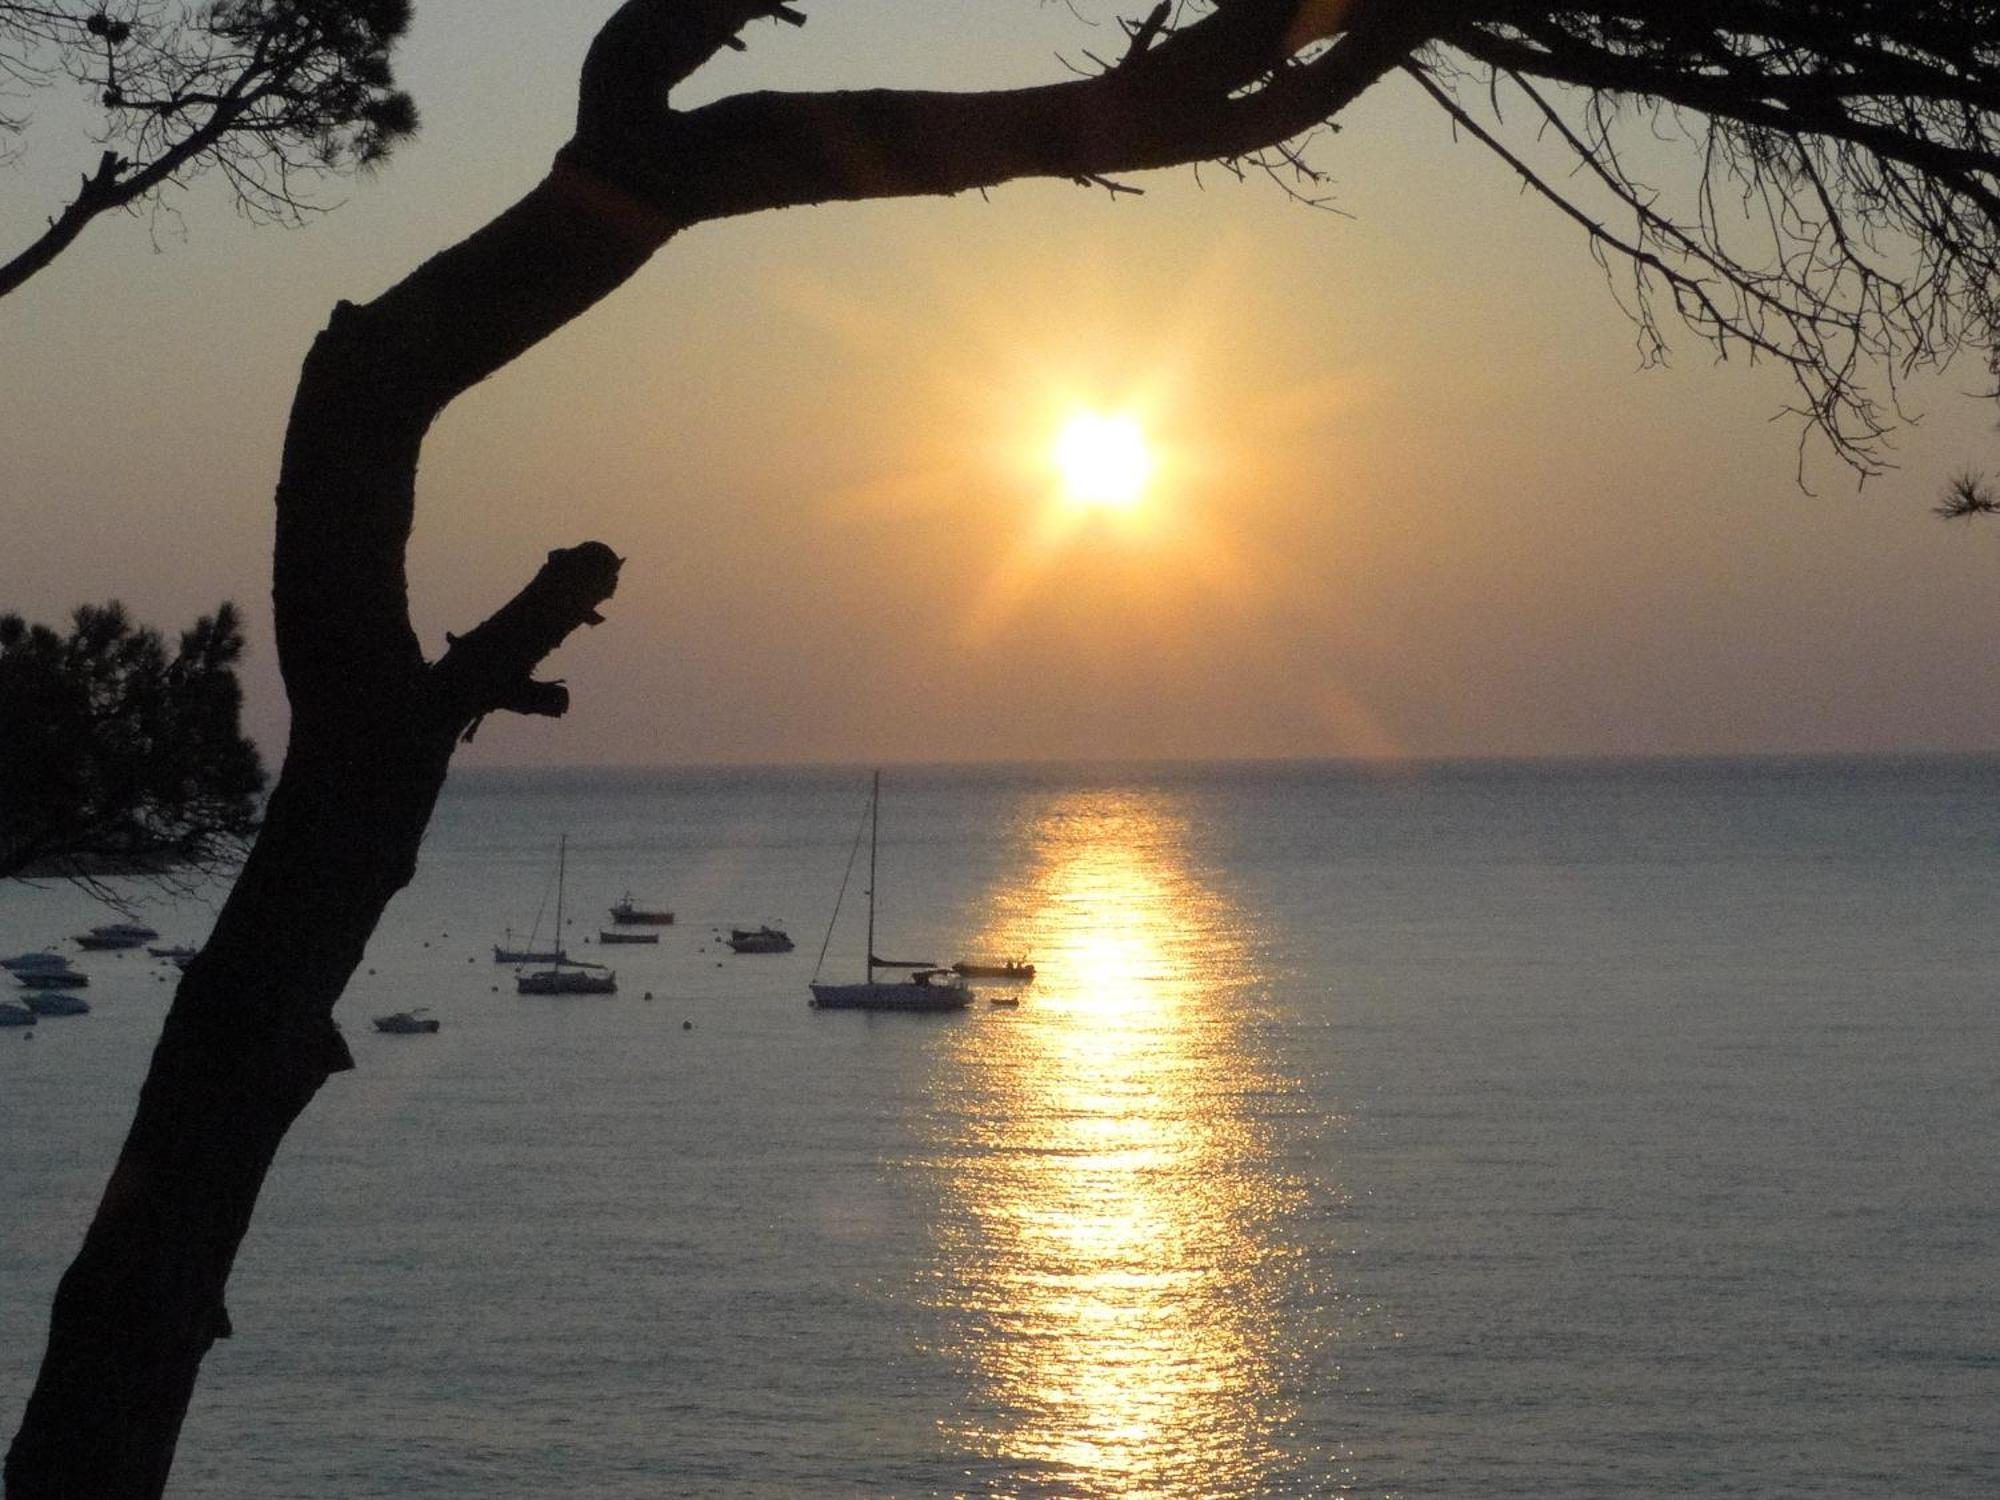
<point x="1410" y="495"/>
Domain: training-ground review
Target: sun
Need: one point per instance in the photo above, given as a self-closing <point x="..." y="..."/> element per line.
<point x="1102" y="460"/>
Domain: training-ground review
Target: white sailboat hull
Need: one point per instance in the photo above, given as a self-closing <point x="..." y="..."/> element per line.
<point x="891" y="994"/>
<point x="565" y="982"/>
<point x="529" y="955"/>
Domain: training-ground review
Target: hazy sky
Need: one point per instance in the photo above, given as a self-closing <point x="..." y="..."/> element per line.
<point x="1416" y="495"/>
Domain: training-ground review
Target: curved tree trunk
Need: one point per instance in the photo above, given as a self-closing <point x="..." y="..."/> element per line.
<point x="250" y="1036"/>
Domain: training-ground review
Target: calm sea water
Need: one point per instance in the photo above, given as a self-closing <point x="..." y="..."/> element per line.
<point x="1552" y="1130"/>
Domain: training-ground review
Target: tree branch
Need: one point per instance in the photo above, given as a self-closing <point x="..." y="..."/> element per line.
<point x="651" y="46"/>
<point x="1218" y="89"/>
<point x="491" y="667"/>
<point x="99" y="192"/>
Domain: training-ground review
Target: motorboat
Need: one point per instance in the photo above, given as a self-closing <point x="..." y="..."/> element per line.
<point x="407" y="1022"/>
<point x="612" y="935"/>
<point x="119" y="935"/>
<point x="927" y="987"/>
<point x="628" y="913"/>
<point x="64" y="978"/>
<point x="173" y="953"/>
<point x="1005" y="968"/>
<point x="567" y="979"/>
<point x="116" y="936"/>
<point x="758" y="940"/>
<point x="15" y="1015"/>
<point x="45" y="958"/>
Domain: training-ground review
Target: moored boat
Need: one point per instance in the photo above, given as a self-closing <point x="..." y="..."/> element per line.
<point x="408" y="1022"/>
<point x="64" y="978"/>
<point x="1005" y="968"/>
<point x="565" y="976"/>
<point x="928" y="986"/>
<point x="759" y="940"/>
<point x="628" y="913"/>
<point x="44" y="958"/>
<point x="567" y="979"/>
<point x="507" y="953"/>
<point x="15" y="1015"/>
<point x="924" y="989"/>
<point x="118" y="935"/>
<point x="612" y="935"/>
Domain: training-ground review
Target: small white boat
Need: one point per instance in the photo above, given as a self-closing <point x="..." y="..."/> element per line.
<point x="57" y="1003"/>
<point x="15" y="1015"/>
<point x="759" y="940"/>
<point x="929" y="986"/>
<point x="408" y="1022"/>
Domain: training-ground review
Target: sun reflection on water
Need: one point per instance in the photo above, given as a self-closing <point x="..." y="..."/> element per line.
<point x="1117" y="1276"/>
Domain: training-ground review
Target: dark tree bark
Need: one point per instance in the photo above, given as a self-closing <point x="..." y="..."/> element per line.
<point x="250" y="1038"/>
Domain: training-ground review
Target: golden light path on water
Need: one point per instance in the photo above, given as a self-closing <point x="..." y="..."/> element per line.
<point x="1116" y="1275"/>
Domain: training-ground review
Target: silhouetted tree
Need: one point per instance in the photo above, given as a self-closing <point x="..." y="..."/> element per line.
<point x="267" y="92"/>
<point x="115" y="756"/>
<point x="1858" y="136"/>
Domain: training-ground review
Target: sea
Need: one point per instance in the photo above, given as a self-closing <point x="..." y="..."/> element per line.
<point x="1552" y="1129"/>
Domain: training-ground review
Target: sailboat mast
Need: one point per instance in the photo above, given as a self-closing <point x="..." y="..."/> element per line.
<point x="874" y="828"/>
<point x="562" y="861"/>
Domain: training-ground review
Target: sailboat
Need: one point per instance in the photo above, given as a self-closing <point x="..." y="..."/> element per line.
<point x="508" y="952"/>
<point x="928" y="986"/>
<point x="565" y="976"/>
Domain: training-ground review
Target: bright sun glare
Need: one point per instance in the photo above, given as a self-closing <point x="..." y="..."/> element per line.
<point x="1102" y="460"/>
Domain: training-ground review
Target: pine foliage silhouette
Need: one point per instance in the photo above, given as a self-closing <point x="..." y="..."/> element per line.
<point x="117" y="756"/>
<point x="269" y="93"/>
